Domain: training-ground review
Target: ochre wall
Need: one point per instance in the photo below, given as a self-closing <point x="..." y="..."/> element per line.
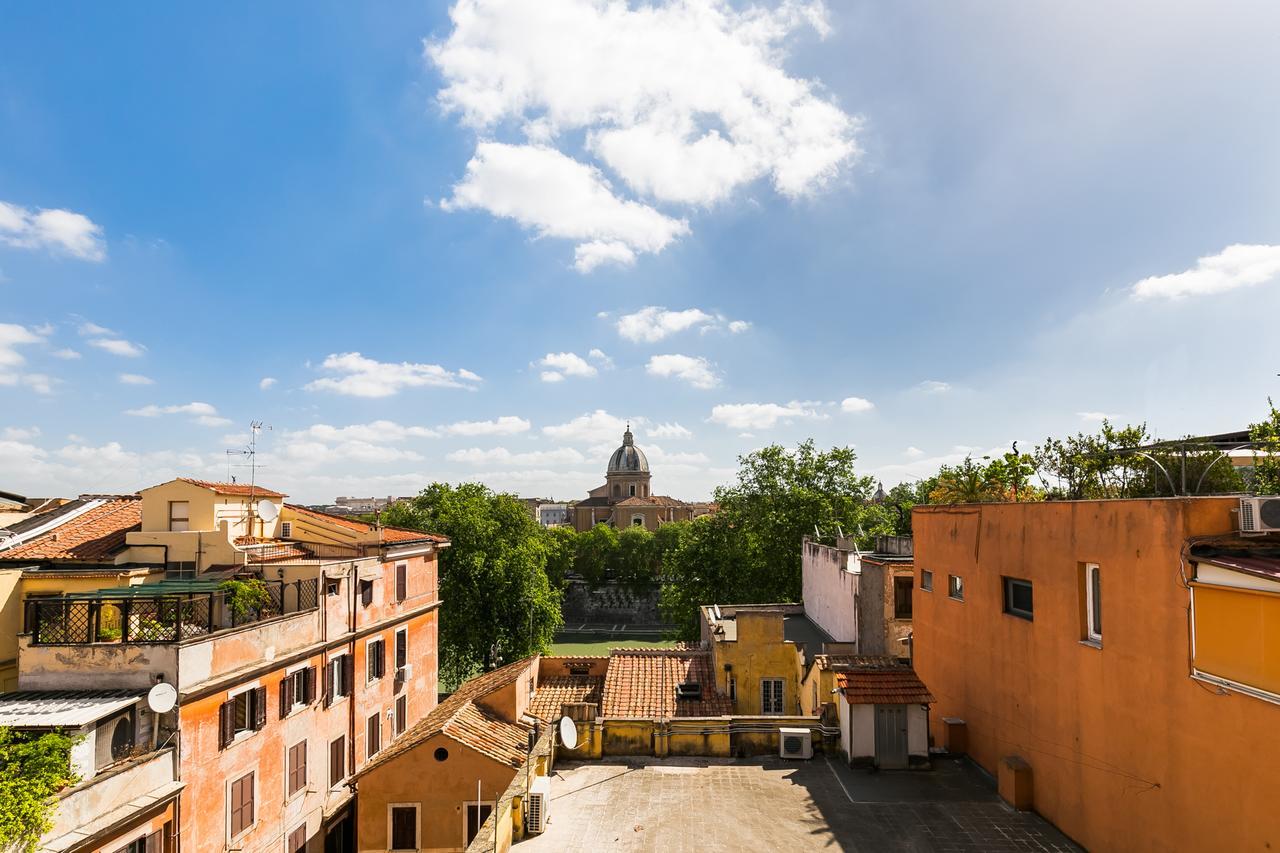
<point x="758" y="652"/>
<point x="1127" y="751"/>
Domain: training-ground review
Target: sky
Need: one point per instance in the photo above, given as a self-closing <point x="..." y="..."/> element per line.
<point x="472" y="241"/>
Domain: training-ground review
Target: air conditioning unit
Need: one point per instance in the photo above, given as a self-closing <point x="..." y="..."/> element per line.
<point x="539" y="799"/>
<point x="1260" y="515"/>
<point x="795" y="743"/>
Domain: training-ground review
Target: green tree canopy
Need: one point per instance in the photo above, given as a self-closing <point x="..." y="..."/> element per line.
<point x="594" y="554"/>
<point x="637" y="558"/>
<point x="1266" y="456"/>
<point x="32" y="769"/>
<point x="494" y="583"/>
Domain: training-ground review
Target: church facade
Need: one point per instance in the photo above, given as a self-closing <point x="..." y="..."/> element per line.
<point x="625" y="499"/>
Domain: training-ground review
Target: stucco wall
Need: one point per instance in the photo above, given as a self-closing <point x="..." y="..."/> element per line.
<point x="90" y="666"/>
<point x="1127" y="751"/>
<point x="829" y="590"/>
<point x="759" y="652"/>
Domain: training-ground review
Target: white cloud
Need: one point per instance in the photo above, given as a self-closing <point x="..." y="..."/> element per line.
<point x="654" y="323"/>
<point x="695" y="370"/>
<point x="12" y="336"/>
<point x="599" y="355"/>
<point x="135" y="379"/>
<point x="65" y="354"/>
<point x="853" y="405"/>
<point x="374" y="432"/>
<point x="1235" y="266"/>
<point x="19" y="433"/>
<point x="118" y="346"/>
<point x="266" y="382"/>
<point x="748" y="416"/>
<point x="359" y="376"/>
<point x="933" y="386"/>
<point x="681" y="460"/>
<point x="90" y="329"/>
<point x="463" y="373"/>
<point x="913" y="453"/>
<point x="1096" y="417"/>
<point x="202" y="413"/>
<point x="61" y="231"/>
<point x="557" y="196"/>
<point x="671" y="430"/>
<point x="304" y="455"/>
<point x="502" y="456"/>
<point x="505" y="425"/>
<point x="737" y="327"/>
<point x="686" y="102"/>
<point x="562" y="364"/>
<point x="598" y="427"/>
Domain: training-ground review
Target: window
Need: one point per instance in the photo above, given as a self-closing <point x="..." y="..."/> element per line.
<point x="153" y="843"/>
<point x="297" y="840"/>
<point x="402" y="581"/>
<point x="244" y="712"/>
<point x="402" y="648"/>
<point x="241" y="804"/>
<point x="404" y="827"/>
<point x="375" y="654"/>
<point x="926" y="580"/>
<point x="771" y="696"/>
<point x="179" y="516"/>
<point x="1017" y="597"/>
<point x="286" y="532"/>
<point x="1093" y="602"/>
<point x="477" y="814"/>
<point x="402" y="714"/>
<point x="637" y="521"/>
<point x="337" y="761"/>
<point x="733" y="689"/>
<point x="366" y="593"/>
<point x="297" y="689"/>
<point x="331" y="587"/>
<point x="297" y="778"/>
<point x="180" y="569"/>
<point x="338" y="677"/>
<point x="632" y="490"/>
<point x="373" y="735"/>
<point x="902" y="586"/>
<point x="955" y="587"/>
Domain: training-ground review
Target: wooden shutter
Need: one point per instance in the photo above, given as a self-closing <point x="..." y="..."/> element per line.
<point x="348" y="673"/>
<point x="259" y="708"/>
<point x="286" y="695"/>
<point x="402" y="581"/>
<point x="328" y="684"/>
<point x="402" y="649"/>
<point x="309" y="685"/>
<point x="154" y="843"/>
<point x="382" y="658"/>
<point x="366" y="593"/>
<point x="226" y="724"/>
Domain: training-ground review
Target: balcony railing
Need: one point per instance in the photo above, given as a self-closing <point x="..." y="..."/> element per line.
<point x="160" y="617"/>
<point x="296" y="552"/>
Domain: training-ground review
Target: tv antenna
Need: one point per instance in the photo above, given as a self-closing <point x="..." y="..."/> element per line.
<point x="250" y="454"/>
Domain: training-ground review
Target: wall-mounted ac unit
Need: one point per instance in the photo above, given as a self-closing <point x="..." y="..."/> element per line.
<point x="1260" y="515"/>
<point x="539" y="798"/>
<point x="795" y="743"/>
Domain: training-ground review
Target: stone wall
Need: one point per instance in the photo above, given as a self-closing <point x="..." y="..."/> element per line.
<point x="610" y="603"/>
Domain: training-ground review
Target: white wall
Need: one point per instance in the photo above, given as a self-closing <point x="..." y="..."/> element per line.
<point x="917" y="730"/>
<point x="830" y="590"/>
<point x="864" y="731"/>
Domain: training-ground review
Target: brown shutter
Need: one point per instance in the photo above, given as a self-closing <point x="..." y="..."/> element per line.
<point x="226" y="730"/>
<point x="259" y="708"/>
<point x="286" y="695"/>
<point x="153" y="843"/>
<point x="402" y="581"/>
<point x="328" y="685"/>
<point x="309" y="685"/>
<point x="349" y="673"/>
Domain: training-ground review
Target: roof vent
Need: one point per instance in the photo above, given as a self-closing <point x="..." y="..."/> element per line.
<point x="689" y="690"/>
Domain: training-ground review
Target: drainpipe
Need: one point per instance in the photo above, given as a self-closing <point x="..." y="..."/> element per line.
<point x="353" y="575"/>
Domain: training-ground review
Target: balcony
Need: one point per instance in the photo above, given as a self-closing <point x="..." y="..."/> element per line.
<point x="170" y="612"/>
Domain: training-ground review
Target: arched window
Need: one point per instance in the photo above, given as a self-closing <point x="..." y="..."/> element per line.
<point x="637" y="521"/>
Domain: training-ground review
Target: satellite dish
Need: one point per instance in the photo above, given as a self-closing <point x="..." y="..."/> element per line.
<point x="267" y="511"/>
<point x="568" y="733"/>
<point x="162" y="697"/>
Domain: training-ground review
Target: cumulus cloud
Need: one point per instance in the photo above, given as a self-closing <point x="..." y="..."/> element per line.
<point x="561" y="364"/>
<point x="685" y="102"/>
<point x="672" y="430"/>
<point x="118" y="346"/>
<point x="374" y="432"/>
<point x="557" y="196"/>
<point x="1234" y="267"/>
<point x="266" y="382"/>
<point x="852" y="405"/>
<point x="502" y="456"/>
<point x="65" y="354"/>
<point x="505" y="425"/>
<point x="60" y="231"/>
<point x="933" y="386"/>
<point x="358" y="376"/>
<point x="654" y="323"/>
<point x="19" y="433"/>
<point x="695" y="370"/>
<point x="135" y="379"/>
<point x="913" y="453"/>
<point x="598" y="355"/>
<point x="13" y="336"/>
<point x="41" y="383"/>
<point x="748" y="416"/>
<point x="201" y="413"/>
<point x="598" y="427"/>
<point x="91" y="329"/>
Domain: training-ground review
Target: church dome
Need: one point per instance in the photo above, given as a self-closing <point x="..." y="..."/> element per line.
<point x="628" y="457"/>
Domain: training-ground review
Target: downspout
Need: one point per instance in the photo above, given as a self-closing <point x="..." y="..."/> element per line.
<point x="353" y="575"/>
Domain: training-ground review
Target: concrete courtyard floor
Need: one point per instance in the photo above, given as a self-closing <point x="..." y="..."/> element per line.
<point x="705" y="804"/>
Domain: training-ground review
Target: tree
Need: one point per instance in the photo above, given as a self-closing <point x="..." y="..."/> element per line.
<point x="636" y="559"/>
<point x="1005" y="478"/>
<point x="593" y="554"/>
<point x="499" y="605"/>
<point x="562" y="544"/>
<point x="1266" y="454"/>
<point x="32" y="769"/>
<point x="706" y="567"/>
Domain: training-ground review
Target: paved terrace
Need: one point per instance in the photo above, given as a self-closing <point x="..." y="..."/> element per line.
<point x="706" y="804"/>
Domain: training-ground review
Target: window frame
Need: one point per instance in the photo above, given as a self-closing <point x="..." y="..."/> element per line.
<point x="401" y="655"/>
<point x="402" y="581"/>
<point x="1093" y="603"/>
<point x="401" y="715"/>
<point x="1007" y="586"/>
<point x="910" y="582"/>
<point x="778" y="696"/>
<point x="286" y="532"/>
<point x="926" y="580"/>
<point x="185" y="520"/>
<point x="289" y="839"/>
<point x="246" y="828"/>
<point x="391" y="827"/>
<point x="373" y="735"/>
<point x="478" y="805"/>
<point x="340" y="742"/>
<point x="375" y="659"/>
<point x="955" y="587"/>
<point x="291" y="770"/>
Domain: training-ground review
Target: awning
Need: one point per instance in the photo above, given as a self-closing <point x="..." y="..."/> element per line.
<point x="58" y="708"/>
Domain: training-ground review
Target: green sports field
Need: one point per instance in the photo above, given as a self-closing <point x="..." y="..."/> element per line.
<point x="600" y="642"/>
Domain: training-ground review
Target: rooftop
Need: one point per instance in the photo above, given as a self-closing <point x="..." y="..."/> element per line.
<point x="555" y="690"/>
<point x="54" y="708"/>
<point x="1259" y="556"/>
<point x="642" y="683"/>
<point x="389" y="534"/>
<point x="882" y="685"/>
<point x="234" y="489"/>
<point x="86" y="530"/>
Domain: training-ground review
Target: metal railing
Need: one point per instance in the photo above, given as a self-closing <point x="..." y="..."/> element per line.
<point x="286" y="552"/>
<point x="162" y="618"/>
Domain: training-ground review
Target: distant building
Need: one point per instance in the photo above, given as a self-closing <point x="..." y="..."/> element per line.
<point x="553" y="515"/>
<point x="362" y="506"/>
<point x="625" y="499"/>
<point x="860" y="597"/>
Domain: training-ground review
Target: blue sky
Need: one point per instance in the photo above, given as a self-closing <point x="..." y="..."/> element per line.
<point x="975" y="223"/>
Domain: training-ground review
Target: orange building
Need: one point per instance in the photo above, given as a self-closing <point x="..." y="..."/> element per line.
<point x="1114" y="663"/>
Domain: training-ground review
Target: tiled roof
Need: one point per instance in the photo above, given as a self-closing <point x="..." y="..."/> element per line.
<point x="883" y="686"/>
<point x="489" y="734"/>
<point x="845" y="661"/>
<point x="436" y="720"/>
<point x="243" y="490"/>
<point x="94" y="536"/>
<point x="389" y="534"/>
<point x="642" y="683"/>
<point x="555" y="690"/>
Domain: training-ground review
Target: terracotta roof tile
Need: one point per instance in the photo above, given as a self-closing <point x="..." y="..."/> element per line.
<point x="883" y="686"/>
<point x="846" y="661"/>
<point x="94" y="536"/>
<point x="237" y="489"/>
<point x="389" y="534"/>
<point x="489" y="734"/>
<point x="555" y="690"/>
<point x="642" y="683"/>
